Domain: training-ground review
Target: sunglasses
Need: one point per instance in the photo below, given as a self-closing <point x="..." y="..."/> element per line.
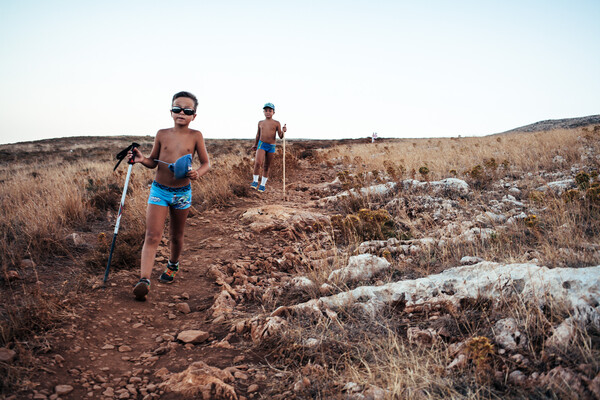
<point x="186" y="111"/>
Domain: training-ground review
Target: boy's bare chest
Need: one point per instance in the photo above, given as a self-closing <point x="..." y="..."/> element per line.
<point x="268" y="127"/>
<point x="174" y="147"/>
<point x="268" y="124"/>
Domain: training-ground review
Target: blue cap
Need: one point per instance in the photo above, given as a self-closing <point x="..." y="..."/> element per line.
<point x="269" y="105"/>
<point x="181" y="167"/>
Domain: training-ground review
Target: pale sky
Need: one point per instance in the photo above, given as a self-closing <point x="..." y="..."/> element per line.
<point x="333" y="69"/>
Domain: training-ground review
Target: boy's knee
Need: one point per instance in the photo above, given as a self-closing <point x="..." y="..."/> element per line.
<point x="153" y="238"/>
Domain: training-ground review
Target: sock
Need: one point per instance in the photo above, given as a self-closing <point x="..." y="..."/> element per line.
<point x="255" y="178"/>
<point x="264" y="181"/>
<point x="173" y="266"/>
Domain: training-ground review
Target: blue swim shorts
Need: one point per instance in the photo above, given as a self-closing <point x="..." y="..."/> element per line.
<point x="269" y="148"/>
<point x="179" y="198"/>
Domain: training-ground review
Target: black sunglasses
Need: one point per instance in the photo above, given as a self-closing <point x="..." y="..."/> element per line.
<point x="186" y="111"/>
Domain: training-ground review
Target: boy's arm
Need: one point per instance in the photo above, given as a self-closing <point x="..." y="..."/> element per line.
<point x="203" y="157"/>
<point x="257" y="139"/>
<point x="147" y="162"/>
<point x="280" y="130"/>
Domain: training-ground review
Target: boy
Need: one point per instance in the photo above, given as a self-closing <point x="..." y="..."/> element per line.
<point x="171" y="190"/>
<point x="265" y="146"/>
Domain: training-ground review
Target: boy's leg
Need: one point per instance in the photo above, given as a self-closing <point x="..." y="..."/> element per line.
<point x="155" y="224"/>
<point x="265" y="175"/>
<point x="259" y="161"/>
<point x="258" y="164"/>
<point x="268" y="160"/>
<point x="176" y="228"/>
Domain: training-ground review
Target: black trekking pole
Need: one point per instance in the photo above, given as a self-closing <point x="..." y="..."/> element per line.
<point x="122" y="154"/>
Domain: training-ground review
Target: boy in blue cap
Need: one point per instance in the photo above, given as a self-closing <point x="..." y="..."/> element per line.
<point x="265" y="146"/>
<point x="171" y="191"/>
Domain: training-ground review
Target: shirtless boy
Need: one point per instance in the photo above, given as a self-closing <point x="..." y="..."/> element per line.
<point x="171" y="191"/>
<point x="265" y="146"/>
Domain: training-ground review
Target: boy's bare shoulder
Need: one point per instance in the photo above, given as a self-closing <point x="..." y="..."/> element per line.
<point x="163" y="132"/>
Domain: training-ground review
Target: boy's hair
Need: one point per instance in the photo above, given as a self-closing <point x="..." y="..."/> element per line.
<point x="188" y="95"/>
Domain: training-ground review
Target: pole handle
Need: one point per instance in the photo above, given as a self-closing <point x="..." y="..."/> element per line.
<point x="284" y="168"/>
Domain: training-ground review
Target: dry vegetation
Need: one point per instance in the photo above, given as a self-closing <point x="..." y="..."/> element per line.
<point x="49" y="193"/>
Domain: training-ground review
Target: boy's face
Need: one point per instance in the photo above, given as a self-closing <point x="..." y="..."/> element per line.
<point x="183" y="103"/>
<point x="268" y="112"/>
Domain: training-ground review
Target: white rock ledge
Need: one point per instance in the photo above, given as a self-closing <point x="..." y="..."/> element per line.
<point x="576" y="289"/>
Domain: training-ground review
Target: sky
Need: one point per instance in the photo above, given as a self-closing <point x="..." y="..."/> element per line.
<point x="333" y="69"/>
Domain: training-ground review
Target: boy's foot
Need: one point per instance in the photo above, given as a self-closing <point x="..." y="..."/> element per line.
<point x="261" y="188"/>
<point x="169" y="274"/>
<point x="254" y="185"/>
<point x="141" y="289"/>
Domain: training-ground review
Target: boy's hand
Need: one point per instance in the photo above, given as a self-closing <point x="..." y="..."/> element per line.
<point x="136" y="154"/>
<point x="284" y="129"/>
<point x="193" y="174"/>
<point x="254" y="148"/>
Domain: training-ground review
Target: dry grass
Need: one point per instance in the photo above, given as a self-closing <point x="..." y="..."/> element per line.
<point x="445" y="158"/>
<point x="65" y="194"/>
<point x="559" y="231"/>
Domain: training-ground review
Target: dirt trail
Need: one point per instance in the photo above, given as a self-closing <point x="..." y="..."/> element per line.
<point x="113" y="346"/>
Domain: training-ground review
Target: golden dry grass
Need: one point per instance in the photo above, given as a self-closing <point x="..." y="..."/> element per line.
<point x="69" y="192"/>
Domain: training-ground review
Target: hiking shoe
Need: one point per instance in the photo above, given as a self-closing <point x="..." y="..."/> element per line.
<point x="261" y="188"/>
<point x="254" y="185"/>
<point x="169" y="274"/>
<point x="141" y="289"/>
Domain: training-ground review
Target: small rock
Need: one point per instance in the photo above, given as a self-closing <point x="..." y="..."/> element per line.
<point x="75" y="239"/>
<point x="28" y="263"/>
<point x="62" y="390"/>
<point x="107" y="347"/>
<point x="351" y="387"/>
<point x="124" y="349"/>
<point x="240" y="375"/>
<point x="517" y="378"/>
<point x="183" y="308"/>
<point x="7" y="355"/>
<point x="470" y="260"/>
<point x="12" y="275"/>
<point x="171" y="316"/>
<point x="252" y="388"/>
<point x="193" y="336"/>
<point x="459" y="362"/>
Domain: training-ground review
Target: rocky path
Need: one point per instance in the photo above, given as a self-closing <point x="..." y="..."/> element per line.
<point x="116" y="347"/>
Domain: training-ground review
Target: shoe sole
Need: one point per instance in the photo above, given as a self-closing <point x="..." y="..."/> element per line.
<point x="165" y="281"/>
<point x="140" y="291"/>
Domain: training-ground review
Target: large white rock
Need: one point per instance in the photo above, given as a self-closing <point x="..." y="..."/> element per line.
<point x="361" y="267"/>
<point x="576" y="289"/>
<point x="380" y="189"/>
<point x="558" y="187"/>
<point x="448" y="185"/>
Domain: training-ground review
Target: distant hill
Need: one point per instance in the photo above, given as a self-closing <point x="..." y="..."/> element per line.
<point x="550" y="124"/>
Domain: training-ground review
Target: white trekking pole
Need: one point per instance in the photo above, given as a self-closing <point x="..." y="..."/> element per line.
<point x="120" y="157"/>
<point x="284" y="199"/>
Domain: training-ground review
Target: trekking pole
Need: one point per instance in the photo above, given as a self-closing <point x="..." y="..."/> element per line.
<point x="284" y="199"/>
<point x="122" y="154"/>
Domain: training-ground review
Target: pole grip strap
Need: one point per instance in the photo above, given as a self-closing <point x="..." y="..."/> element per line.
<point x="123" y="153"/>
